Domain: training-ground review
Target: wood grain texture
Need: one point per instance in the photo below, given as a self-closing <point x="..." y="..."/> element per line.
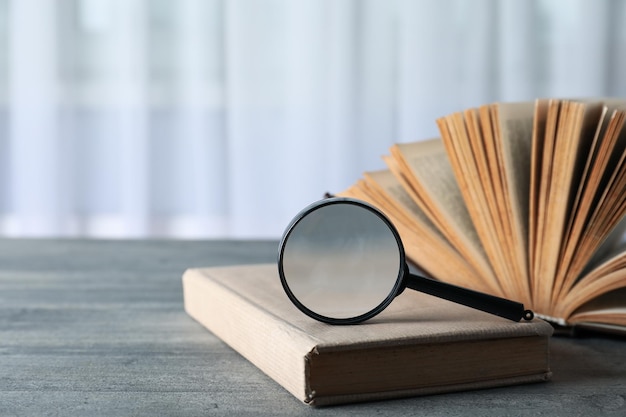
<point x="94" y="328"/>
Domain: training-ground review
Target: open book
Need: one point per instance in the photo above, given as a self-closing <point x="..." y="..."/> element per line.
<point x="525" y="201"/>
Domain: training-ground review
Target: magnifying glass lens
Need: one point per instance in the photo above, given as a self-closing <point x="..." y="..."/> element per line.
<point x="341" y="262"/>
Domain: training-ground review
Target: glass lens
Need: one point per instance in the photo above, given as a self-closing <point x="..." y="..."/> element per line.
<point x="342" y="261"/>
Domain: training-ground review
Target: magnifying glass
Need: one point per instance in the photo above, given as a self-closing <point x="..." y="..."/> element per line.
<point x="341" y="261"/>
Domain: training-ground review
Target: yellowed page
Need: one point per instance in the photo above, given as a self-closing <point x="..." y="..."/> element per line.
<point x="609" y="208"/>
<point x="539" y="133"/>
<point x="430" y="181"/>
<point x="544" y="175"/>
<point x="576" y="123"/>
<point x="596" y="167"/>
<point x="456" y="141"/>
<point x="605" y="278"/>
<point x="487" y="134"/>
<point x="490" y="154"/>
<point x="423" y="243"/>
<point x="482" y="141"/>
<point x="514" y="122"/>
<point x="554" y="202"/>
<point x="606" y="312"/>
<point x="401" y="173"/>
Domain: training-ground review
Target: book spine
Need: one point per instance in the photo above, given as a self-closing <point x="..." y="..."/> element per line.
<point x="271" y="344"/>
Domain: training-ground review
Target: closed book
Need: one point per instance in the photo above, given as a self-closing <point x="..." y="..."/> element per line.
<point x="419" y="345"/>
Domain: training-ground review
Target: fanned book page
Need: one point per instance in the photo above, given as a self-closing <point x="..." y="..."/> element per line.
<point x="432" y="177"/>
<point x="536" y="209"/>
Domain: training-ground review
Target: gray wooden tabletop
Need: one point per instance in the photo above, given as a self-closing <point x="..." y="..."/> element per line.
<point x="93" y="328"/>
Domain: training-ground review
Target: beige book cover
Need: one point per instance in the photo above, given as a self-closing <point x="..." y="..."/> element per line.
<point x="419" y="345"/>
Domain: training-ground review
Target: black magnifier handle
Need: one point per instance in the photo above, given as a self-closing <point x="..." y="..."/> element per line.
<point x="488" y="303"/>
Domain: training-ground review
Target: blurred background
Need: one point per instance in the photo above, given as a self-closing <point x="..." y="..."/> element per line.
<point x="223" y="118"/>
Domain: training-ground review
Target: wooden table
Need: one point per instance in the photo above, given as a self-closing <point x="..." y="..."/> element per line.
<point x="97" y="328"/>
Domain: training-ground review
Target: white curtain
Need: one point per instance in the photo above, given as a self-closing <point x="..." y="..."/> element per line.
<point x="223" y="118"/>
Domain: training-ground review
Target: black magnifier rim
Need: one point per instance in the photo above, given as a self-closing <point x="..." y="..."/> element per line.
<point x="397" y="288"/>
